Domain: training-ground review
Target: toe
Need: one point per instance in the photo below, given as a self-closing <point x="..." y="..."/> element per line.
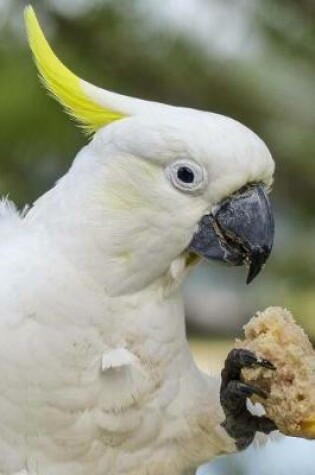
<point x="241" y="358"/>
<point x="248" y="390"/>
<point x="234" y="397"/>
<point x="265" y="364"/>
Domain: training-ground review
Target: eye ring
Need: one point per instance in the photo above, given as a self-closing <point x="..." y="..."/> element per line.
<point x="186" y="175"/>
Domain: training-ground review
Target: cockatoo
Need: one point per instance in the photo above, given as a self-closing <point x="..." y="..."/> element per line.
<point x="96" y="374"/>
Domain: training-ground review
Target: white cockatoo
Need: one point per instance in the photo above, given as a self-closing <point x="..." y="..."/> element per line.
<point x="96" y="374"/>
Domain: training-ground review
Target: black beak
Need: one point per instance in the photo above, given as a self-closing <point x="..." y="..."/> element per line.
<point x="239" y="231"/>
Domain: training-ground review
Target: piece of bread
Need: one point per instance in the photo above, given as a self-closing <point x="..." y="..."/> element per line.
<point x="274" y="335"/>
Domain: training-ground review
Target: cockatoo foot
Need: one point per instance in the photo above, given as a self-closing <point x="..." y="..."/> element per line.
<point x="240" y="423"/>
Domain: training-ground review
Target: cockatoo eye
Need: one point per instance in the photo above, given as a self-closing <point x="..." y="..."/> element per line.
<point x="186" y="175"/>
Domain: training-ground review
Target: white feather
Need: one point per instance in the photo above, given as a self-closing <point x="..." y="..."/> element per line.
<point x="117" y="358"/>
<point x="96" y="374"/>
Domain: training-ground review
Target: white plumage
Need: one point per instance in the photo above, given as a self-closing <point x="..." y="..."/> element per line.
<point x="96" y="374"/>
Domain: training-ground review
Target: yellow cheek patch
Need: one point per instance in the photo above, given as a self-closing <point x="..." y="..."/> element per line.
<point x="134" y="190"/>
<point x="65" y="86"/>
<point x="125" y="255"/>
<point x="149" y="170"/>
<point x="124" y="197"/>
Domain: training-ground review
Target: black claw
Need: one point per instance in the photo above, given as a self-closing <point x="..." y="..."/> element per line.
<point x="265" y="364"/>
<point x="240" y="423"/>
<point x="248" y="390"/>
<point x="238" y="359"/>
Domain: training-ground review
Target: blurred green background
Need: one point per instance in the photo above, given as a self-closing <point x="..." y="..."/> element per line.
<point x="253" y="60"/>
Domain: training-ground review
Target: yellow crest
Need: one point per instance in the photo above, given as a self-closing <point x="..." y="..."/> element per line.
<point x="71" y="91"/>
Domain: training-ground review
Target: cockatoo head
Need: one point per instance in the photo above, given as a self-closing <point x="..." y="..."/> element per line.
<point x="159" y="186"/>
